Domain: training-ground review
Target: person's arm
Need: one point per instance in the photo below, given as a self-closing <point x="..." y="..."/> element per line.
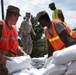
<point x="60" y="15"/>
<point x="33" y="32"/>
<point x="3" y="59"/>
<point x="66" y="38"/>
<point x="50" y="49"/>
<point x="64" y="35"/>
<point x="22" y="28"/>
<point x="20" y="52"/>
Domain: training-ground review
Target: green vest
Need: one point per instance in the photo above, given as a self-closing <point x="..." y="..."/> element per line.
<point x="55" y="14"/>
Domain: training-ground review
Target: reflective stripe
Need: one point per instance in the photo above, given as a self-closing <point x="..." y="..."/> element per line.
<point x="14" y="38"/>
<point x="71" y="33"/>
<point x="6" y="39"/>
<point x="53" y="39"/>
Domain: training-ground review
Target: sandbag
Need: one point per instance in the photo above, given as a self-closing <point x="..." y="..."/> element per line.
<point x="18" y="63"/>
<point x="20" y="73"/>
<point x="40" y="60"/>
<point x="30" y="71"/>
<point x="65" y="56"/>
<point x="71" y="68"/>
<point x="52" y="69"/>
<point x="48" y="61"/>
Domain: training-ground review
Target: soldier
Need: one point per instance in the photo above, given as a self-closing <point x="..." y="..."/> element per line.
<point x="26" y="29"/>
<point x="8" y="38"/>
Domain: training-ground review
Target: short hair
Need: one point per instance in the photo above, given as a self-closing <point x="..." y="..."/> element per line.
<point x="52" y="4"/>
<point x="46" y="17"/>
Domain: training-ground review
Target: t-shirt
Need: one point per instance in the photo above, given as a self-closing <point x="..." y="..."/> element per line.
<point x="59" y="28"/>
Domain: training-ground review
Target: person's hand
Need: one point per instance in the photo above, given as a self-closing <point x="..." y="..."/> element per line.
<point x="20" y="52"/>
<point x="35" y="34"/>
<point x="3" y="59"/>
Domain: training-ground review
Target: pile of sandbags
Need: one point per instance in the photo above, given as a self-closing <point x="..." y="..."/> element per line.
<point x="63" y="62"/>
<point x="38" y="62"/>
<point x="49" y="67"/>
<point x="66" y="57"/>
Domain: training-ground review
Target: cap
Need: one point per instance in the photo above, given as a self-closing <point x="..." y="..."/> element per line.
<point x="40" y="14"/>
<point x="13" y="9"/>
<point x="28" y="14"/>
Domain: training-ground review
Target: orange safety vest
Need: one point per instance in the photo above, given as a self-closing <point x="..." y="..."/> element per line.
<point x="55" y="40"/>
<point x="71" y="32"/>
<point x="8" y="40"/>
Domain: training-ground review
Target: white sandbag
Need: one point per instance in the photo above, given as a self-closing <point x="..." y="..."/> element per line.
<point x="39" y="60"/>
<point x="41" y="71"/>
<point x="30" y="71"/>
<point x="46" y="56"/>
<point x="18" y="63"/>
<point x="71" y="68"/>
<point x="33" y="71"/>
<point x="65" y="56"/>
<point x="48" y="61"/>
<point x="20" y="73"/>
<point x="52" y="69"/>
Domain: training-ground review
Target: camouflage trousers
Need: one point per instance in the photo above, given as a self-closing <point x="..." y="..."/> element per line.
<point x="27" y="44"/>
<point x="3" y="70"/>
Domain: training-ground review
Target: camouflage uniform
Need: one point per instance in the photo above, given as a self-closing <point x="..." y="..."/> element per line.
<point x="3" y="70"/>
<point x="26" y="39"/>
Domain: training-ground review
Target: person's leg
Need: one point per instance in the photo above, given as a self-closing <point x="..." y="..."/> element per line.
<point x="30" y="45"/>
<point x="3" y="70"/>
<point x="24" y="42"/>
